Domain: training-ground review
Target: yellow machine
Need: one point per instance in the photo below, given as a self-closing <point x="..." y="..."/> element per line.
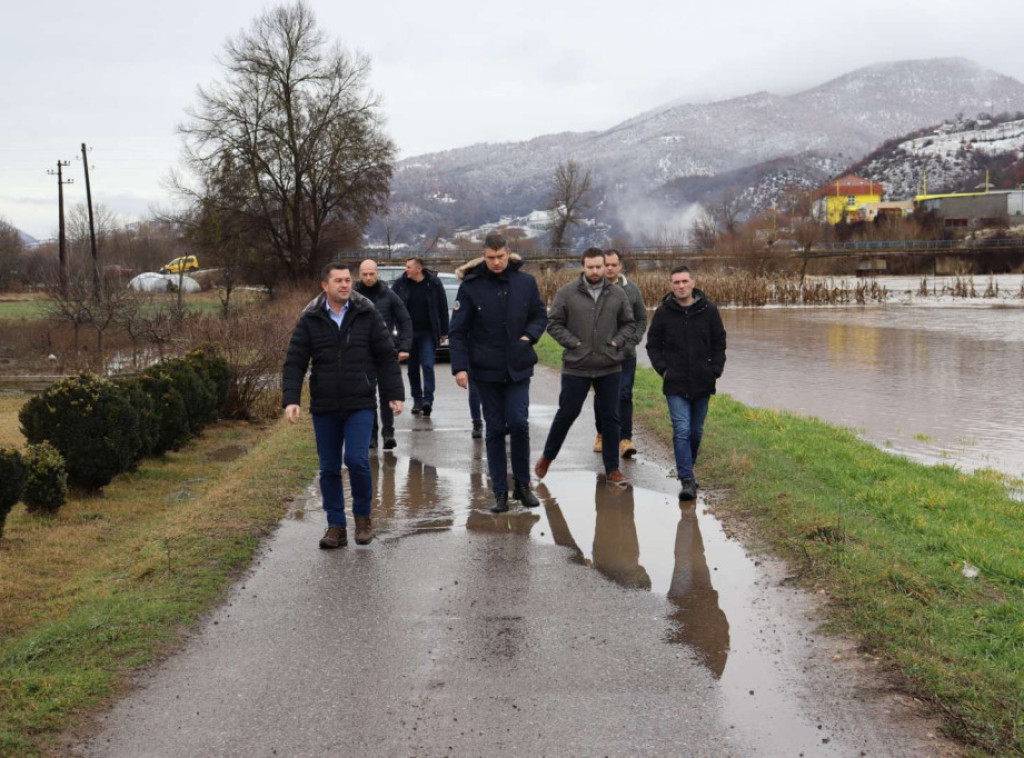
<point x="181" y="265"/>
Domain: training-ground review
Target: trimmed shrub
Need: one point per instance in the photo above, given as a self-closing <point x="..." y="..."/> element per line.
<point x="217" y="370"/>
<point x="90" y="421"/>
<point x="12" y="482"/>
<point x="198" y="392"/>
<point x="145" y="404"/>
<point x="46" y="484"/>
<point x="170" y="414"/>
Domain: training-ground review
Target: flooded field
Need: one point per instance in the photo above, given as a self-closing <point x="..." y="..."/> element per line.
<point x="938" y="384"/>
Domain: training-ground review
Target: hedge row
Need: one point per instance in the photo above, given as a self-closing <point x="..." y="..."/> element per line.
<point x="103" y="427"/>
<point x="37" y="477"/>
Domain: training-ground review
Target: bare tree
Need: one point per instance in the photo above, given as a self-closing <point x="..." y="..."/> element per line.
<point x="10" y="252"/>
<point x="570" y="197"/>
<point x="704" y="231"/>
<point x="807" y="234"/>
<point x="295" y="120"/>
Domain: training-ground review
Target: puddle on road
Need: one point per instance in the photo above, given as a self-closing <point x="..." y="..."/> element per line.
<point x="640" y="540"/>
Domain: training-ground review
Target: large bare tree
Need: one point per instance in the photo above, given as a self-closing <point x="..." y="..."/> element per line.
<point x="570" y="197"/>
<point x="293" y="119"/>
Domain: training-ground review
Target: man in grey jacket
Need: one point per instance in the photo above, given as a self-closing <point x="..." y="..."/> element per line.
<point x="613" y="272"/>
<point x="594" y="322"/>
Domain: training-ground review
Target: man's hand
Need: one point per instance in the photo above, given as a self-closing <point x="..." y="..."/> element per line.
<point x="462" y="379"/>
<point x="396" y="406"/>
<point x="403" y="357"/>
<point x="291" y="412"/>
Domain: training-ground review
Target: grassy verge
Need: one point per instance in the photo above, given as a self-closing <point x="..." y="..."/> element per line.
<point x="886" y="538"/>
<point x="37" y="306"/>
<point x="114" y="580"/>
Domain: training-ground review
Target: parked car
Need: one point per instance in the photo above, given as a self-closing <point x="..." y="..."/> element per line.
<point x="183" y="264"/>
<point x="390" y="274"/>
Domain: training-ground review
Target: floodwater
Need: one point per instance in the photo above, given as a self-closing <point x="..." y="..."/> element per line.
<point x="939" y="384"/>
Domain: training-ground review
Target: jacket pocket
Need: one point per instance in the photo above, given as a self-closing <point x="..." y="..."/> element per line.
<point x="522" y="355"/>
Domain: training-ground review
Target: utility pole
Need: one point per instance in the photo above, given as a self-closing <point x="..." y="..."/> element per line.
<point x="92" y="229"/>
<point x="62" y="269"/>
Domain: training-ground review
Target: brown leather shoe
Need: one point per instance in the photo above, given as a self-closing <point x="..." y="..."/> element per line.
<point x="616" y="477"/>
<point x="364" y="530"/>
<point x="334" y="537"/>
<point x="541" y="467"/>
<point x="626" y="449"/>
<point x="598" y="444"/>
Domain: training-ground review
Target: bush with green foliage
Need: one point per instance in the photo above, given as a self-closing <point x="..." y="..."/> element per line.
<point x="12" y="481"/>
<point x="145" y="404"/>
<point x="171" y="417"/>
<point x="217" y="370"/>
<point x="46" y="484"/>
<point x="198" y="391"/>
<point x="91" y="422"/>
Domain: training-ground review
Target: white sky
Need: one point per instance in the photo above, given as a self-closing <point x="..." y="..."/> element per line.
<point x="118" y="74"/>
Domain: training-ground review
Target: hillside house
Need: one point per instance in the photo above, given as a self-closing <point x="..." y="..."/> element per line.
<point x="838" y="198"/>
<point x="976" y="209"/>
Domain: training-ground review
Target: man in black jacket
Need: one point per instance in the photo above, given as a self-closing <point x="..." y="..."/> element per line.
<point x="498" y="316"/>
<point x="686" y="345"/>
<point x="424" y="297"/>
<point x="399" y="325"/>
<point x="348" y="343"/>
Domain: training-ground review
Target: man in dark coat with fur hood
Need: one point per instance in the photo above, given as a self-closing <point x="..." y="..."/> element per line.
<point x="498" y="316"/>
<point x="346" y="339"/>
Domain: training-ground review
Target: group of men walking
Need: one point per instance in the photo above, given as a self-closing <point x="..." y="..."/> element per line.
<point x="355" y="335"/>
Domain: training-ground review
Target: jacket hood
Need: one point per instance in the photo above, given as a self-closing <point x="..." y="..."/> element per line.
<point x="358" y="303"/>
<point x="514" y="262"/>
<point x="700" y="302"/>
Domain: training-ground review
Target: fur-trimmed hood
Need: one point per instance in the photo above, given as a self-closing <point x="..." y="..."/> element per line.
<point x="465" y="268"/>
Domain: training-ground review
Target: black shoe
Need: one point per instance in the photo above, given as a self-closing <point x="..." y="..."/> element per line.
<point x="521" y="492"/>
<point x="417" y="407"/>
<point x="478" y="429"/>
<point x="500" y="503"/>
<point x="687" y="490"/>
<point x="388" y="435"/>
<point x="427" y="408"/>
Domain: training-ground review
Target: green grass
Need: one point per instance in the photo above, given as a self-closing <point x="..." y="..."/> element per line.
<point x="23" y="309"/>
<point x="112" y="582"/>
<point x="886" y="538"/>
<point x="36" y="306"/>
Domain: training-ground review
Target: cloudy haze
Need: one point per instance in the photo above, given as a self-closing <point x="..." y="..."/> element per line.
<point x="119" y="75"/>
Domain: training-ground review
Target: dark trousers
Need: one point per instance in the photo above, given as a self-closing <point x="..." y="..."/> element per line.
<point x="474" y="403"/>
<point x="506" y="405"/>
<point x="625" y="401"/>
<point x="570" y="403"/>
<point x="387" y="421"/>
<point x="422" y="355"/>
<point x="349" y="433"/>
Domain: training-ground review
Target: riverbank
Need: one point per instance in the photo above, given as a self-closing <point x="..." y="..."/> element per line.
<point x="887" y="541"/>
<point x="115" y="580"/>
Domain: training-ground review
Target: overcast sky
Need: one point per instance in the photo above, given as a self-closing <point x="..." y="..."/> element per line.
<point x="118" y="74"/>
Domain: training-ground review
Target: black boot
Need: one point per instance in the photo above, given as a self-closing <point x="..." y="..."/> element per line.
<point x="687" y="489"/>
<point x="478" y="430"/>
<point x="389" y="438"/>
<point x="521" y="492"/>
<point x="500" y="503"/>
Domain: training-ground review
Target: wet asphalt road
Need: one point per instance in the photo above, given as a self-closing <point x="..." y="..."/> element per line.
<point x="607" y="622"/>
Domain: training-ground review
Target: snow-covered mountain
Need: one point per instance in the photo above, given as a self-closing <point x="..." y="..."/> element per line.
<point x="677" y="154"/>
<point x="951" y="157"/>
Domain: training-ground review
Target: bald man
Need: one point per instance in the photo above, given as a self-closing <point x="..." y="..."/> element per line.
<point x="396" y="316"/>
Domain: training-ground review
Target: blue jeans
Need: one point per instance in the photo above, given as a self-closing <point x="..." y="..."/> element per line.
<point x="687" y="429"/>
<point x="570" y="403"/>
<point x="349" y="432"/>
<point x="474" y="402"/>
<point x="506" y="405"/>
<point x="625" y="401"/>
<point x="421" y="355"/>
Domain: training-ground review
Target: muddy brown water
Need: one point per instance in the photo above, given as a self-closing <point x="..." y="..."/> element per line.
<point x="940" y="384"/>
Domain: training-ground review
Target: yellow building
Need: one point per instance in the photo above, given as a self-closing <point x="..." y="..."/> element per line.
<point x="840" y="197"/>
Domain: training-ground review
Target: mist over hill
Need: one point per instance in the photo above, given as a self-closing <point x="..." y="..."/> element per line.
<point x="652" y="167"/>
